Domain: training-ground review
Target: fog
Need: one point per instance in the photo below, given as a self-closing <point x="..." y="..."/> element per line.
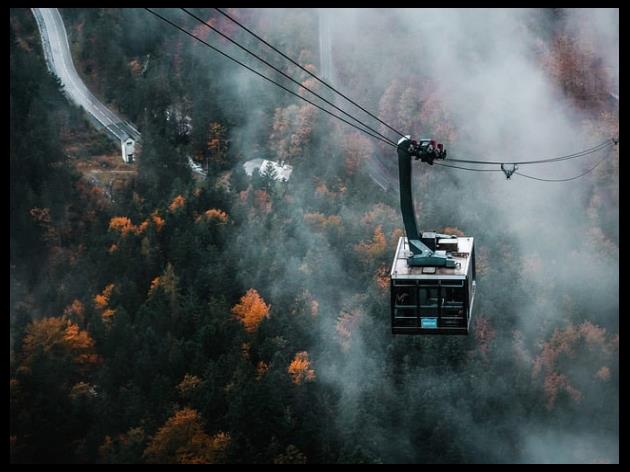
<point x="486" y="72"/>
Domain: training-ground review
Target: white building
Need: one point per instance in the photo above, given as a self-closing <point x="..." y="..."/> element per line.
<point x="128" y="148"/>
<point x="283" y="172"/>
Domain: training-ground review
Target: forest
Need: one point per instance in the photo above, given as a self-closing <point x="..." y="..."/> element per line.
<point x="238" y="319"/>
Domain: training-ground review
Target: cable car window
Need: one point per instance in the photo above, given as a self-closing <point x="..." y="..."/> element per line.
<point x="428" y="300"/>
<point x="405" y="296"/>
<point x="453" y="294"/>
<point x="453" y="303"/>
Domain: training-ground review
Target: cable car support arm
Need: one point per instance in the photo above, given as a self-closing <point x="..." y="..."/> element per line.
<point x="422" y="245"/>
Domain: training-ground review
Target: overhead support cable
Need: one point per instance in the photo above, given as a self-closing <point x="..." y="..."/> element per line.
<point x="267" y="78"/>
<point x="284" y="74"/>
<point x="322" y="81"/>
<point x="466" y="168"/>
<point x="608" y="143"/>
<point x="563" y="180"/>
<point x="509" y="172"/>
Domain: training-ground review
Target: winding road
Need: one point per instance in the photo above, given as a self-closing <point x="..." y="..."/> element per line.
<point x="59" y="62"/>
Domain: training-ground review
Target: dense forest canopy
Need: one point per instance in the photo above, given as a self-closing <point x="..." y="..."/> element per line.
<point x="238" y="319"/>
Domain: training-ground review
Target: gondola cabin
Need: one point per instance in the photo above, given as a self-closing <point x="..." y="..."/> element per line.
<point x="433" y="300"/>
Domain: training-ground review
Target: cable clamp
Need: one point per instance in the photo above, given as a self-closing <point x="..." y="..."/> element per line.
<point x="508" y="172"/>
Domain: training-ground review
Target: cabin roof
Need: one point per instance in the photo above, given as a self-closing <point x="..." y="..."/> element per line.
<point x="400" y="269"/>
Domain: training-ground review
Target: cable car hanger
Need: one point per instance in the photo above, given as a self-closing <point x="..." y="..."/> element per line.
<point x="426" y="151"/>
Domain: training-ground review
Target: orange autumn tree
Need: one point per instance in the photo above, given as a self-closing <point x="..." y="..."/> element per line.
<point x="122" y="225"/>
<point x="375" y="247"/>
<point x="219" y="215"/>
<point x="321" y="222"/>
<point x="75" y="312"/>
<point x="213" y="215"/>
<point x="168" y="283"/>
<point x="291" y="131"/>
<point x="300" y="369"/>
<point x="593" y="345"/>
<point x="58" y="337"/>
<point x="182" y="440"/>
<point x="177" y="202"/>
<point x="381" y="212"/>
<point x="251" y="310"/>
<point x="101" y="301"/>
<point x="217" y="143"/>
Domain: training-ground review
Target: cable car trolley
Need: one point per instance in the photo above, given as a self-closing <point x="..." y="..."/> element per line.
<point x="433" y="275"/>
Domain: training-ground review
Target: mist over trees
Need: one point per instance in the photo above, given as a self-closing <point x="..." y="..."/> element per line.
<point x="246" y="320"/>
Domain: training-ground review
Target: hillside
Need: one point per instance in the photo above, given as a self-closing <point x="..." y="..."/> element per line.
<point x="159" y="317"/>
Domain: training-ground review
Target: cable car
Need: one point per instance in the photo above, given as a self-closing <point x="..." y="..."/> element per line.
<point x="433" y="299"/>
<point x="432" y="278"/>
